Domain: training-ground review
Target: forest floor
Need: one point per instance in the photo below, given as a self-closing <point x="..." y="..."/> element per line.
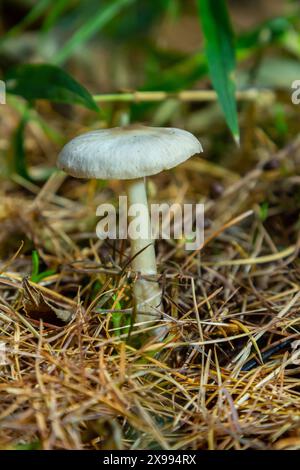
<point x="226" y="376"/>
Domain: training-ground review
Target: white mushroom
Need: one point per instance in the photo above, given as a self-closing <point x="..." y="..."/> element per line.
<point x="132" y="153"/>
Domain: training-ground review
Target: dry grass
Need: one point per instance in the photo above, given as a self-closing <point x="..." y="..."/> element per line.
<point x="227" y="374"/>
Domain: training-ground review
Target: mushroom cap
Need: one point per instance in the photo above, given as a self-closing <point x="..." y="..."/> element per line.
<point x="127" y="152"/>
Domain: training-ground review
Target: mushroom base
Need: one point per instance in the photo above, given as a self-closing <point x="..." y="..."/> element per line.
<point x="147" y="295"/>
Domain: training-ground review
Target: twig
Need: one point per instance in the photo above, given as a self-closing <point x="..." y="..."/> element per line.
<point x="187" y="95"/>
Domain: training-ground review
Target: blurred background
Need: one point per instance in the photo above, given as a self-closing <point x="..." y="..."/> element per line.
<point x="125" y="45"/>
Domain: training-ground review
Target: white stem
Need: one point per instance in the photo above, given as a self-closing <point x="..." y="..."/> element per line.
<point x="147" y="293"/>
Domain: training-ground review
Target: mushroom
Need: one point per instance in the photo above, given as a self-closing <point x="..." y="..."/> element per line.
<point x="131" y="153"/>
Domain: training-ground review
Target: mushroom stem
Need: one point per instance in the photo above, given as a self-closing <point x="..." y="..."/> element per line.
<point x="147" y="293"/>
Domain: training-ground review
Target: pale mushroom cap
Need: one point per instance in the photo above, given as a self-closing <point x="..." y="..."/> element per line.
<point x="127" y="152"/>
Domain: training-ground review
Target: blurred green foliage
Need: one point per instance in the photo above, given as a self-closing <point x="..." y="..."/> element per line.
<point x="63" y="36"/>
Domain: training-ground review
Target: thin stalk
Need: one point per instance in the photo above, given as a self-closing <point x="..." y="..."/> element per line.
<point x="146" y="290"/>
<point x="251" y="94"/>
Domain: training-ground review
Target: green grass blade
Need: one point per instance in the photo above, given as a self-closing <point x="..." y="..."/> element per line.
<point x="220" y="52"/>
<point x="36" y="275"/>
<point x="56" y="11"/>
<point x="90" y="28"/>
<point x="35" y="264"/>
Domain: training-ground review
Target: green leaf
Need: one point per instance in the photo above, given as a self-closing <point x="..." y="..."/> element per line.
<point x="45" y="81"/>
<point x="220" y="52"/>
<point x="90" y="28"/>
